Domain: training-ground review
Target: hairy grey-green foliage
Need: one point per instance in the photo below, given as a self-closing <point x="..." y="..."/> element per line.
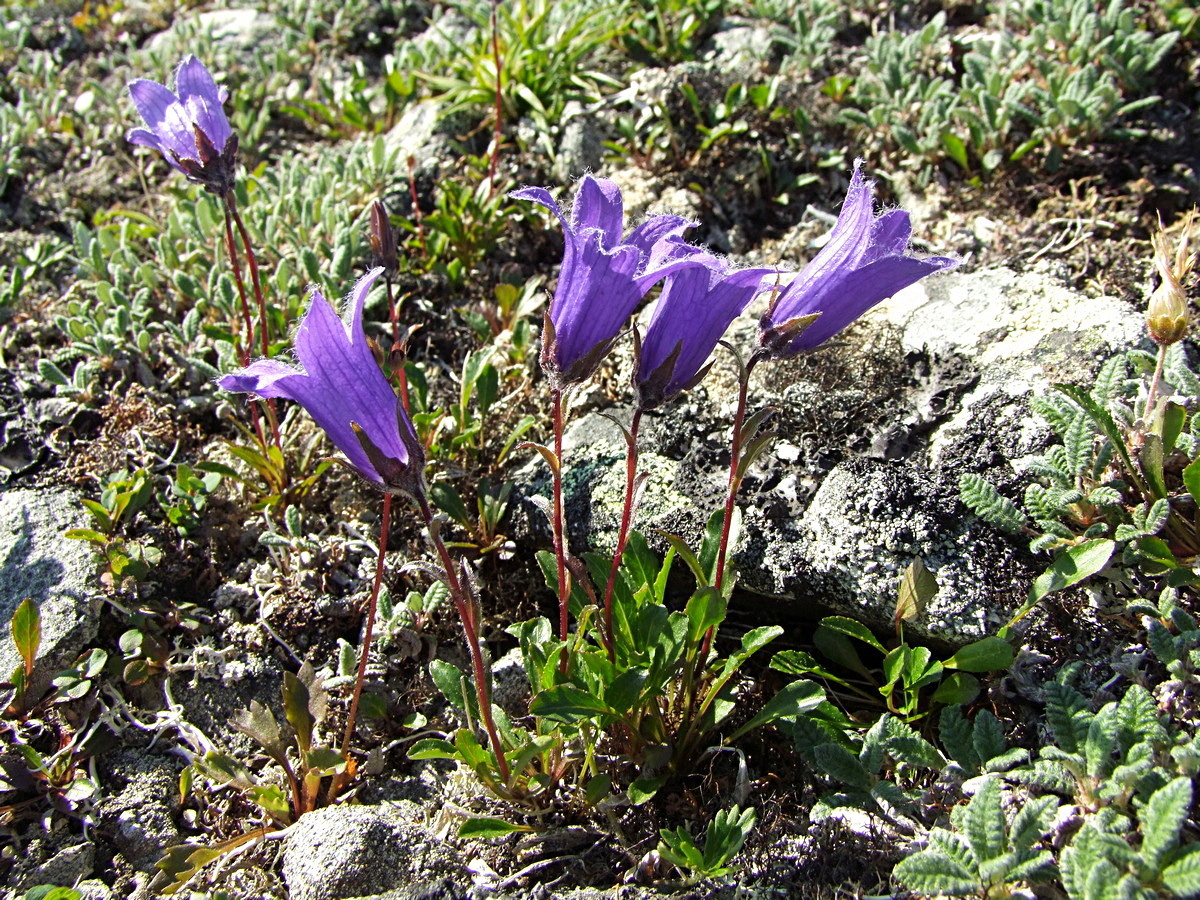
<point x="983" y="853"/>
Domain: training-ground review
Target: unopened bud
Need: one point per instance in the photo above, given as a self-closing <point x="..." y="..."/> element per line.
<point x="1167" y="313"/>
<point x="383" y="238"/>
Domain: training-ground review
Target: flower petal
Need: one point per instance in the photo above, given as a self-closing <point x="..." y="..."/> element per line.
<point x="598" y="205"/>
<point x="165" y="117"/>
<point x="693" y="312"/>
<point x="890" y="234"/>
<point x="202" y="98"/>
<point x="595" y="296"/>
<point x="542" y="197"/>
<point x="846" y="297"/>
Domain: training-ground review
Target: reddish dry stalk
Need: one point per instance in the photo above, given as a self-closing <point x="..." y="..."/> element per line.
<point x="631" y="458"/>
<point x="394" y="316"/>
<point x="466" y="612"/>
<point x="499" y="106"/>
<point x="416" y="206"/>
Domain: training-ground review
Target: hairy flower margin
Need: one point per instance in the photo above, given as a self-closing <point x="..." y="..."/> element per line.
<point x="341" y="386"/>
<point x="865" y="261"/>
<point x="188" y="125"/>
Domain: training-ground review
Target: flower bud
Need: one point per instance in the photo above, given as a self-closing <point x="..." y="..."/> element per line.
<point x="1167" y="313"/>
<point x="383" y="238"/>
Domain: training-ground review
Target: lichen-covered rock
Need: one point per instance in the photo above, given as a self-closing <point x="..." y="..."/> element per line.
<point x="38" y="562"/>
<point x="138" y="809"/>
<point x="355" y="851"/>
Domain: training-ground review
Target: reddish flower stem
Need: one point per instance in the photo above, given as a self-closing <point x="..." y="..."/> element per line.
<point x="468" y="614"/>
<point x="384" y="525"/>
<point x="252" y="264"/>
<point x="631" y="459"/>
<point x="232" y="218"/>
<point x="559" y="525"/>
<point x="735" y="482"/>
<point x="242" y="349"/>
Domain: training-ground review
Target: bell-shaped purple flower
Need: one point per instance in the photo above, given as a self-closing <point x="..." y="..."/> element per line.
<point x="188" y="126"/>
<point x="341" y="386"/>
<point x="697" y="303"/>
<point x="604" y="275"/>
<point x="865" y="261"/>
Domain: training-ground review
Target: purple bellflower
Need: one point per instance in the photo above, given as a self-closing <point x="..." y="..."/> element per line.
<point x="604" y="275"/>
<point x="865" y="261"/>
<point x="696" y="306"/>
<point x="342" y="387"/>
<point x="188" y="127"/>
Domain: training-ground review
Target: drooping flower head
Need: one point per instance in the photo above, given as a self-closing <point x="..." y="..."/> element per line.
<point x="865" y="261"/>
<point x="339" y="384"/>
<point x="604" y="275"/>
<point x="188" y="126"/>
<point x="697" y="303"/>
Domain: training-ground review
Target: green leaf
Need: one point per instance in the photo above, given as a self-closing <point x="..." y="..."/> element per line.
<point x="853" y="629"/>
<point x="432" y="748"/>
<point x="295" y="708"/>
<point x="984" y="822"/>
<point x="1191" y="479"/>
<point x="449" y="680"/>
<point x="52" y="892"/>
<point x="794" y="699"/>
<point x="259" y="725"/>
<point x="956" y="735"/>
<point x="988" y="503"/>
<point x="1068" y="569"/>
<point x="991" y="654"/>
<point x="705" y="609"/>
<point x="565" y="703"/>
<point x="1104" y="419"/>
<point x="27" y="632"/>
<point x="643" y="789"/>
<point x="797" y="662"/>
<point x="1163" y="819"/>
<point x="486" y="828"/>
<point x="957" y="689"/>
<point x="840" y="764"/>
<point x="1173" y="419"/>
<point x="1150" y="456"/>
<point x="933" y="872"/>
<point x="1182" y="877"/>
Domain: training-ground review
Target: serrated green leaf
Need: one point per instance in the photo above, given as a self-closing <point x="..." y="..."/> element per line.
<point x="1163" y="818"/>
<point x="1182" y="877"/>
<point x="987" y="503"/>
<point x="984" y="823"/>
<point x="932" y="872"/>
